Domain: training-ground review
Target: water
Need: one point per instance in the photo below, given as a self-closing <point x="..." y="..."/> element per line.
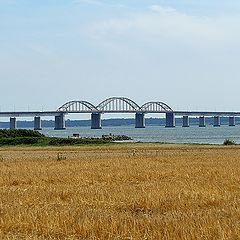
<point x="193" y="134"/>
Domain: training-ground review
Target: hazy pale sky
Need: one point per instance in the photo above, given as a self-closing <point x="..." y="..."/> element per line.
<point x="185" y="53"/>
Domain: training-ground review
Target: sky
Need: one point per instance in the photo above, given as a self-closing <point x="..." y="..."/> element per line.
<point x="185" y="53"/>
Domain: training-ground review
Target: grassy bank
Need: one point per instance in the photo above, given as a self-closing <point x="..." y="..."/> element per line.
<point x="29" y="137"/>
<point x="122" y="191"/>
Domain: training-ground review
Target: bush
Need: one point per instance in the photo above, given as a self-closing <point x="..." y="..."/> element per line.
<point x="229" y="142"/>
<point x="19" y="141"/>
<point x="62" y="141"/>
<point x="13" y="133"/>
<point x="29" y="137"/>
<point x="72" y="141"/>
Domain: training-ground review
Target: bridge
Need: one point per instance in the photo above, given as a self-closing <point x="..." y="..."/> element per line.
<point x="118" y="105"/>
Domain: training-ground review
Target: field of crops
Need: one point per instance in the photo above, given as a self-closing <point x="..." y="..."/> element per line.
<point x="120" y="191"/>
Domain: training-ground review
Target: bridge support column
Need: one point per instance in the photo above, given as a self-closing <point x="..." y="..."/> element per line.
<point x="216" y="121"/>
<point x="185" y="121"/>
<point x="96" y="121"/>
<point x="60" y="122"/>
<point x="231" y="121"/>
<point x="202" y="121"/>
<point x="139" y="120"/>
<point x="170" y="120"/>
<point x="37" y="123"/>
<point x="13" y="123"/>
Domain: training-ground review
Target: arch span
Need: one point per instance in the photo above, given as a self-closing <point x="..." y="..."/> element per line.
<point x="114" y="105"/>
<point x="118" y="104"/>
<point x="78" y="106"/>
<point x="156" y="107"/>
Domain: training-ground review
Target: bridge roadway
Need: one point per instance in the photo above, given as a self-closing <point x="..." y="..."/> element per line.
<point x="176" y="113"/>
<point x="118" y="105"/>
<point x="30" y="114"/>
<point x="139" y="117"/>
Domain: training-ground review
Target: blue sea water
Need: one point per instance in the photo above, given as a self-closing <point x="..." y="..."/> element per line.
<point x="193" y="134"/>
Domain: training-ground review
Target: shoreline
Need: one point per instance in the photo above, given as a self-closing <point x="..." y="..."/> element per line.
<point x="123" y="145"/>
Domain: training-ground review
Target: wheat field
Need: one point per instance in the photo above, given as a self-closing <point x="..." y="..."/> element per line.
<point x="122" y="191"/>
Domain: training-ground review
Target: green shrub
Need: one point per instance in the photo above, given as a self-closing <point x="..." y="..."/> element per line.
<point x="30" y="137"/>
<point x="19" y="141"/>
<point x="229" y="142"/>
<point x="72" y="141"/>
<point x="13" y="133"/>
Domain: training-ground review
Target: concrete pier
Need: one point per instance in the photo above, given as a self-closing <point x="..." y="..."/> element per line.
<point x="170" y="120"/>
<point x="139" y="120"/>
<point x="60" y="122"/>
<point x="37" y="123"/>
<point x="96" y="121"/>
<point x="185" y="121"/>
<point x="202" y="121"/>
<point x="216" y="121"/>
<point x="13" y="123"/>
<point x="232" y="121"/>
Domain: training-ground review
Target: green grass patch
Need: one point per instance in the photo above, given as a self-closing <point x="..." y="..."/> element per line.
<point x="71" y="141"/>
<point x="29" y="137"/>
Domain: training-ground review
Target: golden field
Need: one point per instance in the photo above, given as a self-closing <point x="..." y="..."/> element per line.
<point x="122" y="191"/>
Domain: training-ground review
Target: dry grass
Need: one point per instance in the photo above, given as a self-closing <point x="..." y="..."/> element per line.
<point x="120" y="192"/>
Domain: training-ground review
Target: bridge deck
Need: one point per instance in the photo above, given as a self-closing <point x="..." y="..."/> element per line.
<point x="30" y="114"/>
<point x="58" y="113"/>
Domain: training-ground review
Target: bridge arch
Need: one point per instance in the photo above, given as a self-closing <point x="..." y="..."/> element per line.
<point x="78" y="106"/>
<point x="156" y="107"/>
<point x="114" y="104"/>
<point x="118" y="104"/>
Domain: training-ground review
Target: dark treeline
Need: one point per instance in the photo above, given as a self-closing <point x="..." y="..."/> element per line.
<point x="114" y="122"/>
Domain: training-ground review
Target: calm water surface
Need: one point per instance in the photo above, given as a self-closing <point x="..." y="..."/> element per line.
<point x="193" y="134"/>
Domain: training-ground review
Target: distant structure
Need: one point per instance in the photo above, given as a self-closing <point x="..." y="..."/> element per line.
<point x="118" y="105"/>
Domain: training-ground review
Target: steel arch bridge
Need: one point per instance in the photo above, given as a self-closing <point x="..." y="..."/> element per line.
<point x="77" y="107"/>
<point x="156" y="107"/>
<point x="114" y="105"/>
<point x="118" y="104"/>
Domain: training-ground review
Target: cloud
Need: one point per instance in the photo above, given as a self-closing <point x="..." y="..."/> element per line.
<point x="101" y="3"/>
<point x="162" y="10"/>
<point x="119" y="5"/>
<point x="161" y="24"/>
<point x="91" y="2"/>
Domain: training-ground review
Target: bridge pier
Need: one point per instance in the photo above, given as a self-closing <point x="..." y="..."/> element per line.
<point x="139" y="120"/>
<point x="37" y="123"/>
<point x="231" y="121"/>
<point x="216" y="121"/>
<point x="13" y="123"/>
<point x="60" y="122"/>
<point x="170" y="120"/>
<point x="202" y="121"/>
<point x="96" y="121"/>
<point x="185" y="121"/>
